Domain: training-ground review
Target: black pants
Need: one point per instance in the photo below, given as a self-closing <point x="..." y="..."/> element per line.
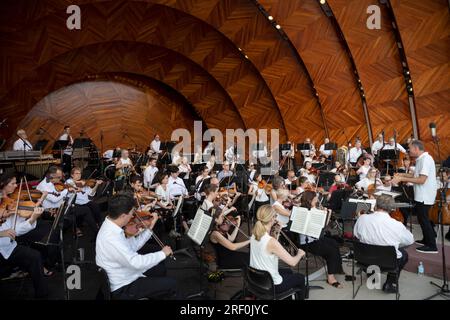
<point x="39" y="234"/>
<point x="401" y="264"/>
<point x="233" y="260"/>
<point x="28" y="260"/>
<point x="66" y="163"/>
<point x="155" y="284"/>
<point x="429" y="235"/>
<point x="89" y="213"/>
<point x="329" y="250"/>
<point x="291" y="280"/>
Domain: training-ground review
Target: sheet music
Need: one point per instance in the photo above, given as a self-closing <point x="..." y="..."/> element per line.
<point x="308" y="222"/>
<point x="200" y="227"/>
<point x="388" y="193"/>
<point x="371" y="201"/>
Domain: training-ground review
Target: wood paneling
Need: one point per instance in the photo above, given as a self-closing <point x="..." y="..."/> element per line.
<point x="425" y="30"/>
<point x="96" y="107"/>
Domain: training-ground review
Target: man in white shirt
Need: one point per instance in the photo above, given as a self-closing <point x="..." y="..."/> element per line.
<point x="67" y="156"/>
<point x="176" y="185"/>
<point x="391" y="146"/>
<point x="15" y="255"/>
<point x="155" y="146"/>
<point x="129" y="273"/>
<point x="150" y="173"/>
<point x="312" y="149"/>
<point x="380" y="229"/>
<point x="326" y="153"/>
<point x="54" y="199"/>
<point x="355" y="153"/>
<point x="377" y="145"/>
<point x="424" y="180"/>
<point x="22" y="143"/>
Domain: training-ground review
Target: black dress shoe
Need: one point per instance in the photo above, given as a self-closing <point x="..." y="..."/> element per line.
<point x="426" y="249"/>
<point x="389" y="288"/>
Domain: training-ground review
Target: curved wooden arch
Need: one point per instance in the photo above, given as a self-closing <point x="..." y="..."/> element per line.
<point x="211" y="102"/>
<point x="84" y="105"/>
<point x="317" y="43"/>
<point x="201" y="43"/>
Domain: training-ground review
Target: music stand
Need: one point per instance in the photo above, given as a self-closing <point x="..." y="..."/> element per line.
<point x="40" y="145"/>
<point x="326" y="179"/>
<point x="330" y="146"/>
<point x="304" y="147"/>
<point x="388" y="156"/>
<point x="59" y="146"/>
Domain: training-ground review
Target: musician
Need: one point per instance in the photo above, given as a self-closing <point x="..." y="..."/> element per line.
<point x="22" y="143"/>
<point x="211" y="163"/>
<point x="265" y="251"/>
<point x="283" y="214"/>
<point x="379" y="228"/>
<point x="162" y="191"/>
<point x="392" y="145"/>
<point x="261" y="195"/>
<point x="340" y="169"/>
<point x="325" y="247"/>
<point x="176" y="158"/>
<point x="364" y="169"/>
<point x="323" y="152"/>
<point x="131" y="275"/>
<point x="231" y="153"/>
<point x="124" y="165"/>
<point x="424" y="180"/>
<point x="155" y="147"/>
<point x="309" y="172"/>
<point x="198" y="156"/>
<point x="407" y="167"/>
<point x="355" y="153"/>
<point x="312" y="149"/>
<point x="337" y="184"/>
<point x="54" y="199"/>
<point x="91" y="211"/>
<point x="176" y="185"/>
<point x="291" y="181"/>
<point x="370" y="179"/>
<point x="67" y="155"/>
<point x="13" y="254"/>
<point x="201" y="182"/>
<point x="41" y="229"/>
<point x="251" y="172"/>
<point x="378" y="144"/>
<point x="224" y="243"/>
<point x="150" y="173"/>
<point x="278" y="183"/>
<point x="185" y="168"/>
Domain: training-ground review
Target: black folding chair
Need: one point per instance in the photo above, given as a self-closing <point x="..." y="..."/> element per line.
<point x="385" y="257"/>
<point x="260" y="284"/>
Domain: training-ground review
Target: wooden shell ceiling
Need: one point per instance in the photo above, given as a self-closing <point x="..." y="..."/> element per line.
<point x="233" y="66"/>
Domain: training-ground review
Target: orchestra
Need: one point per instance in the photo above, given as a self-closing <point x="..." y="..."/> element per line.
<point x="164" y="198"/>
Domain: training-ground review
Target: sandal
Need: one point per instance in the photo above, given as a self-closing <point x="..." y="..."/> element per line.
<point x="336" y="285"/>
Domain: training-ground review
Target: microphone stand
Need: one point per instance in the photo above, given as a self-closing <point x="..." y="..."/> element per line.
<point x="443" y="289"/>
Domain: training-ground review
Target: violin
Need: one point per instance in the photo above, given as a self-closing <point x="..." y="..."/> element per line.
<point x="140" y="221"/>
<point x="34" y="194"/>
<point x="263" y="184"/>
<point x="89" y="183"/>
<point x="24" y="208"/>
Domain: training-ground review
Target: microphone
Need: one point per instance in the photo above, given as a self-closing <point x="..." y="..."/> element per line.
<point x="433" y="130"/>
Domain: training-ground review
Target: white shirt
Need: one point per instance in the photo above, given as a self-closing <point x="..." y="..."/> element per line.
<point x="366" y="182"/>
<point x="354" y="154"/>
<point x="184" y="168"/>
<point x="223" y="174"/>
<point x="283" y="220"/>
<point x="376" y="146"/>
<point x="118" y="256"/>
<point x="426" y="192"/>
<point x="51" y="201"/>
<point x="325" y="152"/>
<point x="82" y="197"/>
<point x="66" y="137"/>
<point x="155" y="145"/>
<point x="229" y="154"/>
<point x="18" y="145"/>
<point x="22" y="227"/>
<point x="307" y="153"/>
<point x="363" y="170"/>
<point x="176" y="159"/>
<point x="108" y="154"/>
<point x="149" y="175"/>
<point x="251" y="175"/>
<point x="379" y="228"/>
<point x="261" y="195"/>
<point x="392" y="147"/>
<point x="176" y="188"/>
<point x="163" y="194"/>
<point x="262" y="259"/>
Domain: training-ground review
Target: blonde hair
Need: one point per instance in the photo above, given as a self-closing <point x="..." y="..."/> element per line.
<point x="264" y="217"/>
<point x="282" y="194"/>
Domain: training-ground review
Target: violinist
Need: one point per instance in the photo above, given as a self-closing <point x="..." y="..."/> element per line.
<point x="337" y="185"/>
<point x="378" y="228"/>
<point x="224" y="243"/>
<point x="283" y="214"/>
<point x="185" y="168"/>
<point x="226" y="172"/>
<point x="291" y="180"/>
<point x="265" y="252"/>
<point x="13" y="254"/>
<point x="54" y="199"/>
<point x="131" y="275"/>
<point x="278" y="183"/>
<point x="150" y="173"/>
<point x="201" y="182"/>
<point x="176" y="185"/>
<point x="370" y="179"/>
<point x="124" y="166"/>
<point x="325" y="247"/>
<point x="258" y="191"/>
<point x="355" y="153"/>
<point x="251" y="172"/>
<point x="162" y="191"/>
<point x="309" y="171"/>
<point x="88" y="209"/>
<point x="364" y="169"/>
